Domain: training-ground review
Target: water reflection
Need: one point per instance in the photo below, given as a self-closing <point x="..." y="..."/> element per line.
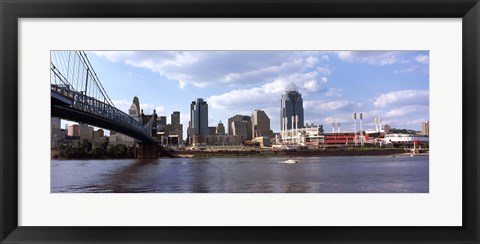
<point x="252" y="175"/>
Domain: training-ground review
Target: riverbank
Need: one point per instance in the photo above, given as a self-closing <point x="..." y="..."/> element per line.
<point x="257" y="153"/>
<point x="286" y="153"/>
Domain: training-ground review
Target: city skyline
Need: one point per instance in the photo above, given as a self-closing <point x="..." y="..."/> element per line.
<point x="393" y="85"/>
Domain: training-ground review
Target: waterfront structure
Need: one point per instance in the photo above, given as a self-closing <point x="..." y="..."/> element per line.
<point x="426" y="128"/>
<point x="262" y="141"/>
<point x="223" y="140"/>
<point x="260" y="124"/>
<point x="78" y="95"/>
<point x="405" y="138"/>
<point x="303" y="136"/>
<point x="291" y="112"/>
<point x="198" y="125"/>
<point x="340" y="138"/>
<point x="240" y="125"/>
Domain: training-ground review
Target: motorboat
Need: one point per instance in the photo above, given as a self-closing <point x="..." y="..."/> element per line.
<point x="290" y="161"/>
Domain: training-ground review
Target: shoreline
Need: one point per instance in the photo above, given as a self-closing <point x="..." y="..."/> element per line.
<point x="273" y="153"/>
<point x="316" y="153"/>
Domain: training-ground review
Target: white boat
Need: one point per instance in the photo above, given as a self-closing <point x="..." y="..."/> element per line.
<point x="290" y="161"/>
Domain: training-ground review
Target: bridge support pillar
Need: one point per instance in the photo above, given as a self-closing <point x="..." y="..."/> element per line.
<point x="146" y="150"/>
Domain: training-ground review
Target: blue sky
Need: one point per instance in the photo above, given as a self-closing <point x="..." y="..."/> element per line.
<point x="393" y="85"/>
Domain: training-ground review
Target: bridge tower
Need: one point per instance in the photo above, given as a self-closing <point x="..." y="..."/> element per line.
<point x="145" y="150"/>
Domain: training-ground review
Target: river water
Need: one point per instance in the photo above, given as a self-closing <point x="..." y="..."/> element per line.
<point x="352" y="174"/>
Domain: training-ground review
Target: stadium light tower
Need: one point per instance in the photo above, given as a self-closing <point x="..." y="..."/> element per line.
<point x="361" y="128"/>
<point x="355" y="128"/>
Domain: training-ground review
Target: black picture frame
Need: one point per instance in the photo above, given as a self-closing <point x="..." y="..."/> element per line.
<point x="12" y="10"/>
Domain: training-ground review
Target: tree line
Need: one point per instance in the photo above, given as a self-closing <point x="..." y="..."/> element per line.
<point x="84" y="149"/>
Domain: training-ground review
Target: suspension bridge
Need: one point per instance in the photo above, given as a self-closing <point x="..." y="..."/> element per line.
<point x="78" y="95"/>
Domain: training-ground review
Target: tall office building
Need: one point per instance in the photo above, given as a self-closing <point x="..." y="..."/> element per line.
<point x="175" y="118"/>
<point x="198" y="125"/>
<point x="174" y="131"/>
<point x="291" y="113"/>
<point x="260" y="124"/>
<point x="161" y="123"/>
<point x="426" y="128"/>
<point x="240" y="125"/>
<point x="134" y="110"/>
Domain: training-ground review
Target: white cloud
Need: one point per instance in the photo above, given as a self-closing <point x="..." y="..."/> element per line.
<point x="311" y="61"/>
<point x="343" y="118"/>
<point x="370" y="57"/>
<point x="334" y="92"/>
<point x="405" y="110"/>
<point x="213" y="68"/>
<point x="311" y="85"/>
<point x="424" y="59"/>
<point x="148" y="108"/>
<point x="181" y="84"/>
<point x="266" y="94"/>
<point x="325" y="70"/>
<point x="322" y="107"/>
<point x="406" y="70"/>
<point x="123" y="105"/>
<point x="404" y="97"/>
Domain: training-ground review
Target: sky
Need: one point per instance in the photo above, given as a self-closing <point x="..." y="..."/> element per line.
<point x="392" y="85"/>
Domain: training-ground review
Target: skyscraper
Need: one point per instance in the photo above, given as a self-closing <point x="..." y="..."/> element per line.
<point x="175" y="118"/>
<point x="161" y="123"/>
<point x="426" y="128"/>
<point x="174" y="130"/>
<point x="134" y="110"/>
<point x="198" y="125"/>
<point x="240" y="125"/>
<point x="291" y="113"/>
<point x="260" y="124"/>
